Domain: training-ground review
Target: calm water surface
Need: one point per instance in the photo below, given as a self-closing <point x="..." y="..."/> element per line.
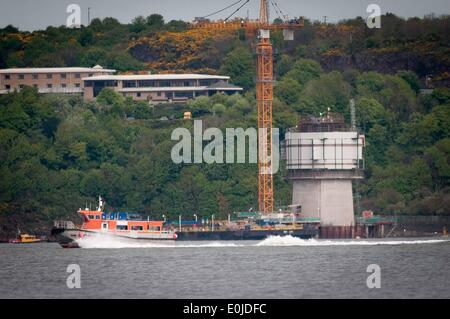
<point x="275" y="268"/>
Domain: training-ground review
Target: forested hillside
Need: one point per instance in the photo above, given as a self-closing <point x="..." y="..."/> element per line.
<point x="58" y="153"/>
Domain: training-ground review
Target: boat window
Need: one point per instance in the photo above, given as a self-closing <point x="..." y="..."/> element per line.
<point x="136" y="228"/>
<point x="122" y="227"/>
<point x="154" y="228"/>
<point x="97" y="216"/>
<point x="91" y="216"/>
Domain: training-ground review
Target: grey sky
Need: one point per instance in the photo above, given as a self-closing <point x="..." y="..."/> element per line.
<point x="38" y="14"/>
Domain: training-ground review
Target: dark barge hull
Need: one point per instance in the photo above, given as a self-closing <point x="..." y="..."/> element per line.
<point x="245" y="235"/>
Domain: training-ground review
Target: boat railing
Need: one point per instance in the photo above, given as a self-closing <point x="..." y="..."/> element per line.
<point x="64" y="224"/>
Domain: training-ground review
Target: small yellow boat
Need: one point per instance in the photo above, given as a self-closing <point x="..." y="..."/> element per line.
<point x="26" y="239"/>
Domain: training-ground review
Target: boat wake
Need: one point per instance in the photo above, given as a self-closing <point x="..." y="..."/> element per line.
<point x="294" y="241"/>
<point x="100" y="241"/>
<point x="104" y="242"/>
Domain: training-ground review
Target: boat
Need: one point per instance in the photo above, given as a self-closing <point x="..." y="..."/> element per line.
<point x="124" y="225"/>
<point x="252" y="225"/>
<point x="25" y="239"/>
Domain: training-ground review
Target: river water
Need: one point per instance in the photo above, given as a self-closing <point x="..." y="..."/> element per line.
<point x="278" y="267"/>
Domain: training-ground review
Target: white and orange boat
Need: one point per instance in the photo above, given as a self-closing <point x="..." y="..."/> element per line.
<point x="119" y="224"/>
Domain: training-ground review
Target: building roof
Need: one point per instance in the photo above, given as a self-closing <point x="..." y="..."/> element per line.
<point x="223" y="86"/>
<point x="95" y="69"/>
<point x="156" y="77"/>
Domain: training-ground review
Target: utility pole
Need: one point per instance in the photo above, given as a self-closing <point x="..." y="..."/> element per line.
<point x="89" y="16"/>
<point x="325" y="19"/>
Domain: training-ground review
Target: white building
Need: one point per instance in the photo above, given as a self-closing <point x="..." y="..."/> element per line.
<point x="322" y="158"/>
<point x="160" y="87"/>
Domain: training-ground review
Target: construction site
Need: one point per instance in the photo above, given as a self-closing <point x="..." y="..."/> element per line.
<point x="323" y="158"/>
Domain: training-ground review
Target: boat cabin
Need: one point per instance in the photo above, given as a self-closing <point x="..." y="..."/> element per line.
<point x="118" y="222"/>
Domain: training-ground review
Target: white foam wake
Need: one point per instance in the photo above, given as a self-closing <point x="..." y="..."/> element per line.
<point x="102" y="241"/>
<point x="294" y="241"/>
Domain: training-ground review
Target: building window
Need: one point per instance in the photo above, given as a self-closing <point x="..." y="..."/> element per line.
<point x="138" y="94"/>
<point x="21" y="86"/>
<point x="63" y="85"/>
<point x="129" y="84"/>
<point x="90" y="74"/>
<point x="184" y="94"/>
<point x="164" y="83"/>
<point x="7" y="77"/>
<point x="7" y="87"/>
<point x="49" y="86"/>
<point x="63" y="75"/>
<point x="35" y="76"/>
<point x="77" y="85"/>
<point x="35" y="86"/>
<point x="77" y="75"/>
<point x="158" y="94"/>
<point x="21" y="76"/>
<point x="49" y="76"/>
<point x="146" y="83"/>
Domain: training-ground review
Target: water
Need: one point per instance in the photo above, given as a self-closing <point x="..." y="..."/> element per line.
<point x="278" y="267"/>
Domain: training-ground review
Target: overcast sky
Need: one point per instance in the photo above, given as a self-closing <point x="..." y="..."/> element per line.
<point x="38" y="14"/>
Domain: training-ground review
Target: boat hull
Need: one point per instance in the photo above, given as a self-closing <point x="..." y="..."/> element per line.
<point x="245" y="234"/>
<point x="67" y="238"/>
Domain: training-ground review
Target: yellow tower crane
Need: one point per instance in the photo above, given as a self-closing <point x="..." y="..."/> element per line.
<point x="264" y="84"/>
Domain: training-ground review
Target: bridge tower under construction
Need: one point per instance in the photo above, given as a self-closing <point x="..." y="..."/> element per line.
<point x="323" y="157"/>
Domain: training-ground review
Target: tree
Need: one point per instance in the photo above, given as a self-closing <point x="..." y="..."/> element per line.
<point x="305" y="70"/>
<point x="138" y="24"/>
<point x="124" y="62"/>
<point x="94" y="56"/>
<point x="368" y="113"/>
<point x="411" y="78"/>
<point x="329" y="91"/>
<point x="155" y="20"/>
<point x="218" y="109"/>
<point x="288" y="90"/>
<point x="200" y="105"/>
<point x="283" y="65"/>
<point x="238" y="64"/>
<point x="142" y="110"/>
<point x="86" y="37"/>
<point x="176" y="26"/>
<point x="109" y="97"/>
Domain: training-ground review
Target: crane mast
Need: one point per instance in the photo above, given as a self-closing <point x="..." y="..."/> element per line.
<point x="264" y="97"/>
<point x="264" y="90"/>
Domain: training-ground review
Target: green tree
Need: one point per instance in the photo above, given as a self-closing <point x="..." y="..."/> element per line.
<point x="288" y="90"/>
<point x="238" y="64"/>
<point x="155" y="20"/>
<point x="368" y="112"/>
<point x="305" y="70"/>
<point x="411" y="78"/>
